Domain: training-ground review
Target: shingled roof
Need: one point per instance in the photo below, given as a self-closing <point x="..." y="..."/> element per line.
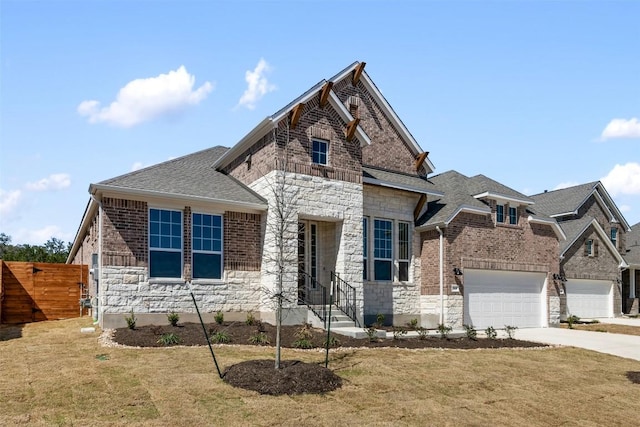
<point x="633" y="246"/>
<point x="399" y="180"/>
<point x="565" y="200"/>
<point x="190" y="176"/>
<point x="573" y="229"/>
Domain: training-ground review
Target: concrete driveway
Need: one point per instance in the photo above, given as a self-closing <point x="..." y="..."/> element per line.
<point x="627" y="346"/>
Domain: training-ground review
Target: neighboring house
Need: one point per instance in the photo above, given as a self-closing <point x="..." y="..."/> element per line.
<point x="330" y="192"/>
<point x="591" y="260"/>
<point x="631" y="276"/>
<point x="497" y="258"/>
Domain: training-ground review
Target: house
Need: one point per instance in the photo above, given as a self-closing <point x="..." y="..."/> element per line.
<point x="496" y="258"/>
<point x="631" y="276"/>
<point x="330" y="197"/>
<point x="591" y="258"/>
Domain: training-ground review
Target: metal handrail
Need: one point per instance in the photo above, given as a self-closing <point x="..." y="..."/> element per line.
<point x="344" y="297"/>
<point x="314" y="295"/>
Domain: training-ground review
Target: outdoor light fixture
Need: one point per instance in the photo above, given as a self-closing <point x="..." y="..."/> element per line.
<point x="457" y="271"/>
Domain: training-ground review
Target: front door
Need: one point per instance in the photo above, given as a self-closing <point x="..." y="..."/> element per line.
<point x="307" y="260"/>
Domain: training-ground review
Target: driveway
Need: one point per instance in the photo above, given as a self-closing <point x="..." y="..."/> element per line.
<point x="627" y="346"/>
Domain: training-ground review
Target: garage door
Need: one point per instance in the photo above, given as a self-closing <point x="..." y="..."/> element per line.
<point x="499" y="298"/>
<point x="589" y="298"/>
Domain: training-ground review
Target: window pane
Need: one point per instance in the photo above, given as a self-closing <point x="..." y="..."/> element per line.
<point x="165" y="264"/>
<point x="403" y="240"/>
<point x="499" y="213"/>
<point x="197" y="232"/>
<point x="154" y="242"/>
<point x="154" y="228"/>
<point x="217" y="245"/>
<point x="165" y="242"/>
<point x="403" y="271"/>
<point x="154" y="215"/>
<point x="197" y="244"/>
<point x="197" y="219"/>
<point x="217" y="221"/>
<point x="207" y="266"/>
<point x="206" y="220"/>
<point x="165" y="216"/>
<point x="176" y="217"/>
<point x="383" y="270"/>
<point x="206" y="245"/>
<point x="165" y="229"/>
<point x="319" y="152"/>
<point x="176" y="243"/>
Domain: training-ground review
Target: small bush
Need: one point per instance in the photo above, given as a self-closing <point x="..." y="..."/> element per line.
<point x="471" y="332"/>
<point x="131" y="320"/>
<point x="413" y="324"/>
<point x="491" y="332"/>
<point x="444" y="330"/>
<point x="259" y="338"/>
<point x="220" y="337"/>
<point x="511" y="331"/>
<point x="304" y="336"/>
<point x="333" y="341"/>
<point x="371" y="333"/>
<point x="173" y="318"/>
<point x="398" y="333"/>
<point x="379" y="319"/>
<point x="251" y="320"/>
<point x="422" y="333"/>
<point x="572" y="319"/>
<point x="169" y="339"/>
<point x="219" y="317"/>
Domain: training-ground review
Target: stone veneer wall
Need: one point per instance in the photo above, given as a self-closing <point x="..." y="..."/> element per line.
<point x="128" y="288"/>
<point x="399" y="302"/>
<point x="310" y="197"/>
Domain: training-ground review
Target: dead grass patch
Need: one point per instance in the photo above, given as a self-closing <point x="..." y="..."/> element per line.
<point x="54" y="375"/>
<point x="605" y="327"/>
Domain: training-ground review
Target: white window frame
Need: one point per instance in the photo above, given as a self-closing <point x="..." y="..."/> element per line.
<point x="211" y="252"/>
<point x="326" y="154"/>
<point x="613" y="235"/>
<point x="160" y="249"/>
<point x="590" y="248"/>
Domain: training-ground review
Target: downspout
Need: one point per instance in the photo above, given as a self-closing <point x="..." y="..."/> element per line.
<point x="441" y="276"/>
<point x="95" y="312"/>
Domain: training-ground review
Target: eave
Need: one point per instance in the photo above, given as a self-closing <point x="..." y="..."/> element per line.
<point x="550" y="222"/>
<point x="603" y="237"/>
<point x="502" y="197"/>
<point x="394" y="185"/>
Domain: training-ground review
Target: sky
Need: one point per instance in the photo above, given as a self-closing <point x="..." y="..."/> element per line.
<point x="536" y="95"/>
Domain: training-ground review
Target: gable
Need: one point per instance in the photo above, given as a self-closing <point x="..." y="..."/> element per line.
<point x="388" y="149"/>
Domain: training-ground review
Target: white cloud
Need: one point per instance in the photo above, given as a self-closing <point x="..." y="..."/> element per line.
<point x="9" y="200"/>
<point x="257" y="85"/>
<point x="621" y="128"/>
<point x="147" y="99"/>
<point x="56" y="181"/>
<point x="625" y="208"/>
<point x="137" y="166"/>
<point x="566" y="184"/>
<point x="623" y="179"/>
<point x="40" y="236"/>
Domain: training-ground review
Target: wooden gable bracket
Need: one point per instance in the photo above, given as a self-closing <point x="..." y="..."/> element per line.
<point x="420" y="158"/>
<point x="295" y="114"/>
<point x="419" y="206"/>
<point x="357" y="73"/>
<point x="324" y="93"/>
<point x="351" y="129"/>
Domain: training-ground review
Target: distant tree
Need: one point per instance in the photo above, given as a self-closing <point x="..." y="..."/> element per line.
<point x="54" y="250"/>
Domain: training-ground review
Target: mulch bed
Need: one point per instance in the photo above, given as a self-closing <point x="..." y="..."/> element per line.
<point x="293" y="377"/>
<point x="634" y="376"/>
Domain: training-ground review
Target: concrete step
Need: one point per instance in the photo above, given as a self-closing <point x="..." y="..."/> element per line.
<point x="355" y="332"/>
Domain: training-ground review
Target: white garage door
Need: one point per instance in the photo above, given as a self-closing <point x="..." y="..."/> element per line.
<point x="589" y="298"/>
<point x="499" y="298"/>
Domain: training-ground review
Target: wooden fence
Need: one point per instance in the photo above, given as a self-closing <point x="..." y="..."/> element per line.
<point x="32" y="292"/>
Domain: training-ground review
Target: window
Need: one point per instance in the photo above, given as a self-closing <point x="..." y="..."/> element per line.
<point x="403" y="251"/>
<point x="382" y="250"/>
<point x="365" y="246"/>
<point x="513" y="215"/>
<point x="499" y="213"/>
<point x="319" y="153"/>
<point x="614" y="236"/>
<point x="165" y="243"/>
<point x="588" y="247"/>
<point x="206" y="241"/>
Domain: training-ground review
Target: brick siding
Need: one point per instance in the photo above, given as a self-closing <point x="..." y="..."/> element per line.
<point x="242" y="241"/>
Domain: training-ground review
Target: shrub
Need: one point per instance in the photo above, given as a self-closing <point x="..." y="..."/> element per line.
<point x="398" y="333"/>
<point x="173" y="318"/>
<point x="131" y="320"/>
<point x="220" y="337"/>
<point x="219" y="318"/>
<point x="304" y="336"/>
<point x="371" y="333"/>
<point x="422" y="333"/>
<point x="169" y="339"/>
<point x="444" y="330"/>
<point x="413" y="324"/>
<point x="333" y="341"/>
<point x="251" y="320"/>
<point x="259" y="338"/>
<point x="572" y="319"/>
<point x="511" y="331"/>
<point x="471" y="332"/>
<point x="491" y="332"/>
<point x="379" y="319"/>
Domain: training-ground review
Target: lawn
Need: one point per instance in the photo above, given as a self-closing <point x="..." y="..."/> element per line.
<point x="606" y="327"/>
<point x="54" y="375"/>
